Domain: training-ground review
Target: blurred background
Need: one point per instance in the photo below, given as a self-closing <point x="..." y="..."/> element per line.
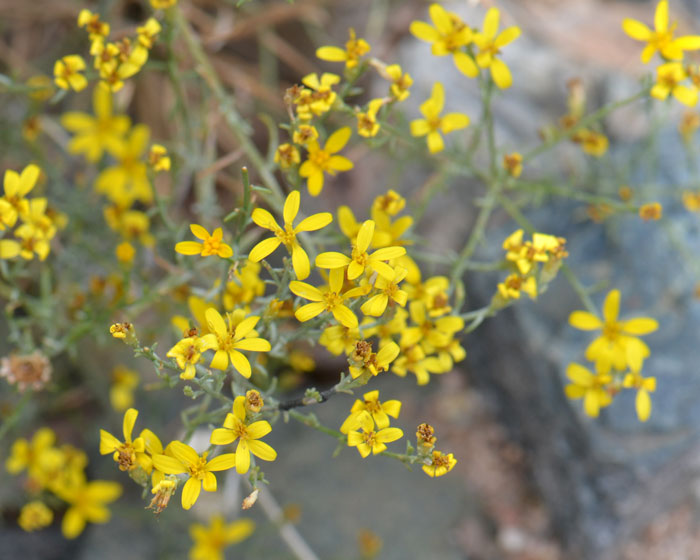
<point x="535" y="479"/>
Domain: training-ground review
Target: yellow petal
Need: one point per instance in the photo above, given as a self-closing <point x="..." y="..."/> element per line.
<point x="190" y="492"/>
<point x="435" y="142"/>
<point x="315" y="222"/>
<point x="216" y="322"/>
<point x="340" y="163"/>
<point x="419" y="127"/>
<point x="640" y="326"/>
<point x="73" y="523"/>
<point x="209" y="482"/>
<point x="300" y="262"/>
<point x="453" y="121"/>
<point x="507" y="36"/>
<point x="636" y="29"/>
<point x="331" y="54"/>
<point x="591" y="403"/>
<point x="661" y="16"/>
<point x="253" y="345"/>
<point x="108" y="443"/>
<point x="440" y="18"/>
<point x="584" y="321"/>
<point x="222" y="462"/>
<point x="188" y="248"/>
<point x="240" y="362"/>
<point x="345" y="316"/>
<point x="291" y="207"/>
<point x="364" y="236"/>
<point x="309" y="311"/>
<point x="168" y="465"/>
<point x="259" y="429"/>
<point x="643" y="405"/>
<point x="338" y="139"/>
<point x="438" y="97"/>
<point x="686" y="95"/>
<point x="501" y="74"/>
<point x="129" y="421"/>
<point x="199" y="232"/>
<point x="306" y="291"/>
<point x="465" y="64"/>
<point x="262" y="450"/>
<point x="263" y="249"/>
<point x="424" y="31"/>
<point x="579" y="375"/>
<point x="222" y="436"/>
<point x="611" y="306"/>
<point x="183" y="453"/>
<point x="315" y="182"/>
<point x="389" y="434"/>
<point x="491" y="22"/>
<point x="264" y="219"/>
<point x="331" y="260"/>
<point x="220" y="360"/>
<point x="242" y="457"/>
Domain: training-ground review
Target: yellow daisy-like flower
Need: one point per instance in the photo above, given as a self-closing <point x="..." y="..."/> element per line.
<point x="328" y="298"/>
<point x="400" y="82"/>
<point x="660" y="39"/>
<point x="67" y="73"/>
<point x="440" y="464"/>
<point x="433" y="123"/>
<point x="490" y="43"/>
<point x="228" y="339"/>
<point x="212" y="244"/>
<point x="186" y="460"/>
<point x="158" y="158"/>
<point x="187" y="353"/>
<point x="389" y="291"/>
<point x="94" y="135"/>
<point x="367" y="124"/>
<point x="288" y="234"/>
<point x="87" y="503"/>
<point x="448" y="35"/>
<point x="322" y="160"/>
<point x="367" y="361"/>
<point x="618" y="345"/>
<point x="17" y="186"/>
<point x="380" y="411"/>
<point x="210" y="541"/>
<point x="34" y="516"/>
<point x="354" y="49"/>
<point x="590" y="387"/>
<point x="248" y="436"/>
<point x="366" y="439"/>
<point x="668" y="82"/>
<point x="360" y="259"/>
<point x="129" y="454"/>
<point x="644" y="386"/>
<point x="96" y="28"/>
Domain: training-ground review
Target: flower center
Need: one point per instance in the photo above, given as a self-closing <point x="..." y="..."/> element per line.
<point x="127" y="457"/>
<point x="320" y="158"/>
<point x="198" y="469"/>
<point x="332" y="300"/>
<point x="286" y="235"/>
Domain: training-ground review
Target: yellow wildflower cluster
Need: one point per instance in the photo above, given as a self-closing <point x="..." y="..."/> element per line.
<point x="674" y="76"/>
<point x="617" y="354"/>
<point x="435" y="463"/>
<point x="145" y="459"/>
<point x="59" y="470"/>
<point x="523" y="257"/>
<point x="28" y="219"/>
<point x="316" y="97"/>
<point x="367" y="426"/>
<point x="470" y="48"/>
<point x="210" y="541"/>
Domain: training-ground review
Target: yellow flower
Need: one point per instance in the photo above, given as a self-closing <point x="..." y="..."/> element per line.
<point x="360" y="259"/>
<point x="412" y="358"/>
<point x="287" y="155"/>
<point x="158" y="158"/>
<point x="389" y="291"/>
<point x="339" y="339"/>
<point x="244" y="287"/>
<point x="328" y="298"/>
<point x="367" y="124"/>
<point x="590" y="387"/>
<point x="87" y="504"/>
<point x="448" y="35"/>
<point x="367" y="361"/>
<point x="209" y="542"/>
<point x="129" y="454"/>
<point x="187" y="353"/>
<point x="94" y="135"/>
<point x="691" y="201"/>
<point x="228" y="339"/>
<point x="511" y="287"/>
<point x="400" y="82"/>
<point x="380" y="411"/>
<point x="668" y="82"/>
<point x="97" y="29"/>
<point x="34" y="516"/>
<point x="162" y="4"/>
<point x="248" y="436"/>
<point x="644" y="386"/>
<point x="288" y="234"/>
<point x="490" y="43"/>
<point x="13" y="203"/>
<point x="31" y="240"/>
<point x="304" y="134"/>
<point x="513" y="164"/>
<point x="323" y="160"/>
<point x="121" y="391"/>
<point x="428" y="332"/>
<point x="618" y="345"/>
<point x="366" y="439"/>
<point x="118" y="61"/>
<point x="651" y="211"/>
<point x="211" y="244"/>
<point x="354" y="49"/>
<point x="433" y="123"/>
<point x="593" y="143"/>
<point x="125" y="253"/>
<point x="319" y="99"/>
<point x="127" y="181"/>
<point x="185" y="460"/>
<point x="33" y="455"/>
<point x="67" y="74"/>
<point x="440" y="464"/>
<point x="661" y="37"/>
<point x="147" y="33"/>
